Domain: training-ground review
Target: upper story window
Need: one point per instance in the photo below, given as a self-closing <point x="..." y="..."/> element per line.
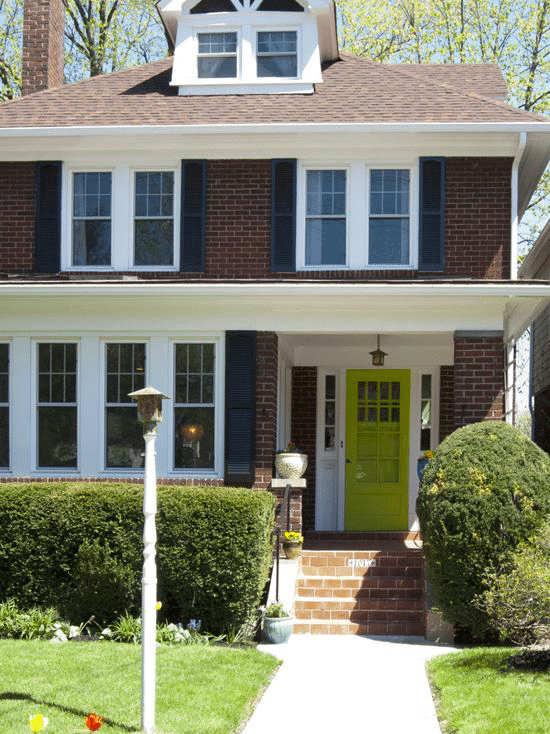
<point x="154" y="218"/>
<point x="276" y="54"/>
<point x="326" y="217"/>
<point x="358" y="217"/>
<point x="389" y="224"/>
<point x="217" y="55"/>
<point x="91" y="230"/>
<point x="121" y="219"/>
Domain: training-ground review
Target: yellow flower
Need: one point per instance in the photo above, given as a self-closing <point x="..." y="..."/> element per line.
<point x="38" y="722"/>
<point x="159" y="606"/>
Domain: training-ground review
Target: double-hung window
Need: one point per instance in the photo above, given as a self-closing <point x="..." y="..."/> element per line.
<point x="57" y="405"/>
<point x="124" y="373"/>
<point x="325" y="217"/>
<point x="154" y="218"/>
<point x="91" y="218"/>
<point x="217" y="55"/>
<point x="4" y="406"/>
<point x="194" y="416"/>
<point x="276" y="54"/>
<point x="389" y="217"/>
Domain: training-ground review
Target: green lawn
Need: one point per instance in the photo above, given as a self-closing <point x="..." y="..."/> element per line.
<point x="200" y="689"/>
<point x="478" y="694"/>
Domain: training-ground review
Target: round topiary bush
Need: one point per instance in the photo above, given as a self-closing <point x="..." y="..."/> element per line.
<point x="486" y="490"/>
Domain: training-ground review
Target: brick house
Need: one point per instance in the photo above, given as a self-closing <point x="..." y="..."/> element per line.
<point x="241" y="225"/>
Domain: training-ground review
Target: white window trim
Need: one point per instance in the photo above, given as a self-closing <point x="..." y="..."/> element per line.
<point x="219" y="410"/>
<point x="299" y="63"/>
<point x="301" y="212"/>
<point x="357" y="213"/>
<point x="122" y="218"/>
<point x="53" y="471"/>
<point x="238" y="54"/>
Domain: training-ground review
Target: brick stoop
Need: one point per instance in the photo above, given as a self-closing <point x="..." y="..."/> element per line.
<point x="379" y="590"/>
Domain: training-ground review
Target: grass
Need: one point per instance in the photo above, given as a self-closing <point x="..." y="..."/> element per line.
<point x="478" y="694"/>
<point x="200" y="689"/>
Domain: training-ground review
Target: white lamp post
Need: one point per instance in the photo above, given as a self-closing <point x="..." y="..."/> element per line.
<point x="149" y="404"/>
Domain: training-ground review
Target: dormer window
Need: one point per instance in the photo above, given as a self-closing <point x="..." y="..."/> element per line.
<point x="217" y="55"/>
<point x="277" y="54"/>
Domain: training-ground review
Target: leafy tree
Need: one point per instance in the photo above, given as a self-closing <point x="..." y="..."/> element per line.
<point x="515" y="35"/>
<point x="107" y="35"/>
<point x="11" y="40"/>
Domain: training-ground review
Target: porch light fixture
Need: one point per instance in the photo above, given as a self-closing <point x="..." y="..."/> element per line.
<point x="378" y="355"/>
<point x="149" y="405"/>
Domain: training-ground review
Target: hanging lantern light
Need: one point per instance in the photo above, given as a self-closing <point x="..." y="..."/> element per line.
<point x="378" y="355"/>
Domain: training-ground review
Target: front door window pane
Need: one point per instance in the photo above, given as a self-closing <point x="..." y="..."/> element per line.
<point x="326" y="218"/>
<point x="125" y="373"/>
<point x="4" y="406"/>
<point x="57" y="406"/>
<point x="92" y="219"/>
<point x="154" y="218"/>
<point x="389" y="217"/>
<point x="194" y="408"/>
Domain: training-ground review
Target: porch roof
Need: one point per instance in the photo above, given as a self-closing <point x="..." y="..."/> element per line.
<point x="298" y="306"/>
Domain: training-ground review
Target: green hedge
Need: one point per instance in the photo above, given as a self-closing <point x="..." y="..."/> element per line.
<point x="78" y="546"/>
<point x="486" y="490"/>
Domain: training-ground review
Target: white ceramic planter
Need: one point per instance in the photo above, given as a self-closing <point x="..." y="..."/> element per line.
<point x="290" y="466"/>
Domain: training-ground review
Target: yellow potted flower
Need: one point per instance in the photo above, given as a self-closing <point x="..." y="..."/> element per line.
<point x="292" y="544"/>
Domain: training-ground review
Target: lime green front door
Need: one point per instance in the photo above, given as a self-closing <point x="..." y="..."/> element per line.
<point x="377" y="449"/>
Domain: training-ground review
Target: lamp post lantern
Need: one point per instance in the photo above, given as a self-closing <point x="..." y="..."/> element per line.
<point x="149" y="404"/>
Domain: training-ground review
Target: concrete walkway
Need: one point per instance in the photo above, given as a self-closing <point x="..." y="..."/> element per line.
<point x="347" y="683"/>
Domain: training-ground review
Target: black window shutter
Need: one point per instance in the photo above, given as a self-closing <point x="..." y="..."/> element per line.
<point x="432" y="214"/>
<point x="283" y="215"/>
<point x="240" y="407"/>
<point x="193" y="215"/>
<point x="47" y="252"/>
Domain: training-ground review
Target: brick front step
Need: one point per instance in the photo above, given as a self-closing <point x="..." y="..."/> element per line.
<point x="360" y="591"/>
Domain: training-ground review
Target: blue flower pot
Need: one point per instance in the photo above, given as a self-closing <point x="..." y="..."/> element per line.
<point x="422" y="464"/>
<point x="278" y="629"/>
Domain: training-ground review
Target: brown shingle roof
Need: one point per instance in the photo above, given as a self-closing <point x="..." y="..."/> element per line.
<point x="354" y="90"/>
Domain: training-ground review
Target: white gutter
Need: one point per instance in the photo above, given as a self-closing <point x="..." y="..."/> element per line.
<point x="283" y="127"/>
<point x="515" y="220"/>
<point x="339" y="290"/>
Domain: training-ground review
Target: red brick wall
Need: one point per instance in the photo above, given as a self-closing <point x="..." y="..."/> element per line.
<point x="478" y="217"/>
<point x="17" y="214"/>
<point x="266" y="406"/>
<point x="303" y="425"/>
<point x="238" y="227"/>
<point x="478" y="379"/>
<point x="238" y="219"/>
<point x="43" y="39"/>
<point x="446" y="402"/>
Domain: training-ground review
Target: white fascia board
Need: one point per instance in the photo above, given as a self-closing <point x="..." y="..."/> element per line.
<point x="286" y="128"/>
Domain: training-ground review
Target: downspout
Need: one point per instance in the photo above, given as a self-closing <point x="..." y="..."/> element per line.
<point x="515" y="217"/>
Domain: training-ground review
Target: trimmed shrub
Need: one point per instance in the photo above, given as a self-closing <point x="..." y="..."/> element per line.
<point x="486" y="490"/>
<point x="518" y="600"/>
<point x="73" y="545"/>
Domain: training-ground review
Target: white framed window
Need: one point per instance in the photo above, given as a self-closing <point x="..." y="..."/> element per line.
<point x="357" y="216"/>
<point x="277" y="54"/>
<point x="153" y="218"/>
<point x="4" y="406"/>
<point x="125" y="372"/>
<point x="91" y="218"/>
<point x="195" y="406"/>
<point x="389" y="216"/>
<point x="217" y="55"/>
<point x="56" y="405"/>
<point x="125" y="218"/>
<point x="325" y="220"/>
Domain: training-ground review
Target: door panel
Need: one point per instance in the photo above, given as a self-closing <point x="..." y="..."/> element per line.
<point x="377" y="449"/>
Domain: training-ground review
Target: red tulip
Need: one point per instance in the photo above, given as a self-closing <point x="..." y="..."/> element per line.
<point x="93" y="722"/>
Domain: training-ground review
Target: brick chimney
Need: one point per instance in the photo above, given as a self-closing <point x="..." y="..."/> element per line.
<point x="43" y="41"/>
